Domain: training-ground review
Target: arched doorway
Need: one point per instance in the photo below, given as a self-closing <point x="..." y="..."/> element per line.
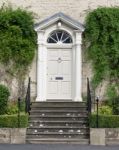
<point x="59" y="62"/>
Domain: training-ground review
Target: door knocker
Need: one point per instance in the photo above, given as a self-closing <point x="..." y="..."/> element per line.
<point x="59" y="60"/>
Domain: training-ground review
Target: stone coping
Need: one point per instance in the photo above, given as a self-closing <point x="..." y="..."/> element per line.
<point x="104" y="136"/>
<point x="12" y="135"/>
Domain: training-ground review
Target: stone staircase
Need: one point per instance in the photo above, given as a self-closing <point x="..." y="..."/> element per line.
<point x="58" y="122"/>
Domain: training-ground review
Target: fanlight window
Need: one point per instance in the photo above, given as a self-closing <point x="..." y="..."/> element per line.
<point x="59" y="37"/>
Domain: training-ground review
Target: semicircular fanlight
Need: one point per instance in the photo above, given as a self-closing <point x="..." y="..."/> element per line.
<point x="59" y="37"/>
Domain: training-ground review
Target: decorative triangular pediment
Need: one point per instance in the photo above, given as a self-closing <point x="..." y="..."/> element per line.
<point x="59" y="17"/>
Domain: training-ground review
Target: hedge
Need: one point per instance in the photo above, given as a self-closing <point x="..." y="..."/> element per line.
<point x="4" y="95"/>
<point x="11" y="121"/>
<point x="105" y="121"/>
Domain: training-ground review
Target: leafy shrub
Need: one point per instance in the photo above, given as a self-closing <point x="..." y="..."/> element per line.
<point x="22" y="106"/>
<point x="115" y="106"/>
<point x="101" y="36"/>
<point x="105" y="121"/>
<point x="111" y="94"/>
<point x="12" y="109"/>
<point x="4" y="95"/>
<point x="17" y="40"/>
<point x="11" y="121"/>
<point x="105" y="110"/>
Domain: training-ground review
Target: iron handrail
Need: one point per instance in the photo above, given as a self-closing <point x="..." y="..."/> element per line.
<point x="28" y="97"/>
<point x="89" y="101"/>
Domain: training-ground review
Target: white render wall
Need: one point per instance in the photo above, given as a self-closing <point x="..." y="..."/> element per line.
<point x="77" y="9"/>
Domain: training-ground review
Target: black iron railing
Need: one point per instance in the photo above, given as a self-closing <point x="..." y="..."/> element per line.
<point x="89" y="101"/>
<point x="19" y="105"/>
<point x="28" y="97"/>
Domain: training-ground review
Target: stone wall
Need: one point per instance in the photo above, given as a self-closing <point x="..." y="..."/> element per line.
<point x="104" y="136"/>
<point x="101" y="136"/>
<point x="12" y="136"/>
<point x="76" y="9"/>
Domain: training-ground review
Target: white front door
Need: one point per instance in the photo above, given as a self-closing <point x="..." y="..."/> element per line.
<point x="59" y="72"/>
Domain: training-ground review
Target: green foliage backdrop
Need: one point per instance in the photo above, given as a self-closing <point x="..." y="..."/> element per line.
<point x="4" y="95"/>
<point x="102" y="42"/>
<point x="17" y="40"/>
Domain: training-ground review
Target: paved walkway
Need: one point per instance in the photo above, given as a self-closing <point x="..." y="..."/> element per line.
<point x="55" y="147"/>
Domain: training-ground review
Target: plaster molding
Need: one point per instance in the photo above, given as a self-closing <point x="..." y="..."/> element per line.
<point x="78" y="37"/>
<point x="59" y="17"/>
<point x="40" y="40"/>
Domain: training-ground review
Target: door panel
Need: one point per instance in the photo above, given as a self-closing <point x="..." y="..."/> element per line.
<point x="66" y="67"/>
<point x="66" y="55"/>
<point x="66" y="87"/>
<point x="59" y="74"/>
<point x="53" y="87"/>
<point x="52" y="67"/>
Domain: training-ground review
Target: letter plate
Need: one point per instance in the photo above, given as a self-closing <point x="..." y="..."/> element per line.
<point x="59" y="78"/>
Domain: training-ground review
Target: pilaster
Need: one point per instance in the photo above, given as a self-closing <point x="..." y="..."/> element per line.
<point x="78" y="66"/>
<point x="41" y="67"/>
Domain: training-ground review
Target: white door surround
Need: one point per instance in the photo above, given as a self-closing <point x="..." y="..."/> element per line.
<point x="74" y="29"/>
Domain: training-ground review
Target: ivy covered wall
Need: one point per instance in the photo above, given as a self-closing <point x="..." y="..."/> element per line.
<point x="102" y="47"/>
<point x="17" y="45"/>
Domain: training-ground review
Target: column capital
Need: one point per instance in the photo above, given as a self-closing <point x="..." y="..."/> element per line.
<point x="78" y="35"/>
<point x="40" y="40"/>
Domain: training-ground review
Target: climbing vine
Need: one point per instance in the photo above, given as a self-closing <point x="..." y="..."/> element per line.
<point x="17" y="40"/>
<point x="102" y="44"/>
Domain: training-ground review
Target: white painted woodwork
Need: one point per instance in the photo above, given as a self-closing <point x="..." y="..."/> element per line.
<point x="78" y="68"/>
<point x="59" y="66"/>
<point x="48" y="67"/>
<point x="41" y="68"/>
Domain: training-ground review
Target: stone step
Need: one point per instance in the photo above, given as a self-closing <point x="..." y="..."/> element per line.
<point x="59" y="120"/>
<point x="57" y="129"/>
<point x="45" y="118"/>
<point x="50" y="113"/>
<point x="58" y="108"/>
<point x="59" y="104"/>
<point x="59" y="116"/>
<point x="57" y="140"/>
<point x="58" y="123"/>
<point x="57" y="111"/>
<point x="57" y="135"/>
